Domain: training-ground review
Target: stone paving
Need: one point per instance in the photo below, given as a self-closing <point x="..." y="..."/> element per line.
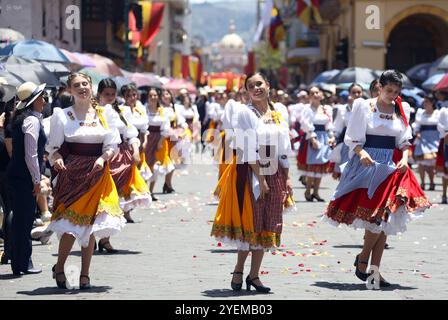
<point x="168" y="254"/>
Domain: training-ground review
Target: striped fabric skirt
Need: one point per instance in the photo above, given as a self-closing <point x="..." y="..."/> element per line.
<point x="242" y="221"/>
<point x="131" y="186"/>
<point x="85" y="202"/>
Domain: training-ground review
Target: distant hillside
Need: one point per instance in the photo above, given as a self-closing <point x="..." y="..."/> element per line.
<point x="211" y="20"/>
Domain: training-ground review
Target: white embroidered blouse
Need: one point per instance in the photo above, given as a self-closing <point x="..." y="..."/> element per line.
<point x="366" y="119"/>
<point x="64" y="126"/>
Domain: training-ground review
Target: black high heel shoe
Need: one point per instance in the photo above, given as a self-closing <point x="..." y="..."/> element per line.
<point x="167" y="189"/>
<point x="154" y="198"/>
<point x="102" y="247"/>
<point x="84" y="286"/>
<point x="361" y="275"/>
<point x="250" y="282"/>
<point x="319" y="199"/>
<point x="60" y="284"/>
<point x="236" y="286"/>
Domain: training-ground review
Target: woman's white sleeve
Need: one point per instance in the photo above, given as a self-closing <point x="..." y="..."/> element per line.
<point x="402" y="140"/>
<point x="246" y="135"/>
<point x="284" y="148"/>
<point x="443" y="123"/>
<point x="339" y="121"/>
<point x="131" y="132"/>
<point x="306" y="122"/>
<point x="357" y="126"/>
<point x="111" y="140"/>
<point x="418" y="119"/>
<point x="57" y="136"/>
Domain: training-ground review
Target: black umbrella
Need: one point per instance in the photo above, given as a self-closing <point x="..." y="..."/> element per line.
<point x="11" y="78"/>
<point x="439" y="66"/>
<point x="353" y="75"/>
<point x="30" y="70"/>
<point x="419" y="72"/>
<point x="59" y="69"/>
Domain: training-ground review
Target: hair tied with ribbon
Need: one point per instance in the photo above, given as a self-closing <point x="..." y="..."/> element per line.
<point x="398" y="101"/>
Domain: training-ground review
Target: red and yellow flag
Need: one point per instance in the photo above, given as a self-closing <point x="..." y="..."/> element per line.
<point x="304" y="12"/>
<point x="315" y="5"/>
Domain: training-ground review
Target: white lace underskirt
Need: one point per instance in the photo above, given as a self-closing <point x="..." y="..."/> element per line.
<point x="161" y="171"/>
<point x="136" y="201"/>
<point x="240" y="245"/>
<point x="312" y="174"/>
<point x="104" y="226"/>
<point x="146" y="174"/>
<point x="397" y="222"/>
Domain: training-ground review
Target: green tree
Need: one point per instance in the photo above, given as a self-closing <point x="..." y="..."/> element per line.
<point x="267" y="57"/>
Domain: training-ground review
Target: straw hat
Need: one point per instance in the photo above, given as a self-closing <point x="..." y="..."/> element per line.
<point x="27" y="93"/>
<point x="183" y="91"/>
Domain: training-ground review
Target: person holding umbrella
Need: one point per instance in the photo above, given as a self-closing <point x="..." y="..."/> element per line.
<point x="24" y="172"/>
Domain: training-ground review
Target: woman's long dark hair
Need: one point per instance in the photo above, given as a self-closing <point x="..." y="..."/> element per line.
<point x="265" y="78"/>
<point x="171" y="97"/>
<point x="110" y="84"/>
<point x="392" y="77"/>
<point x="159" y="94"/>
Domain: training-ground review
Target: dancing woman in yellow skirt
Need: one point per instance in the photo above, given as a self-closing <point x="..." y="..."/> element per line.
<point x="178" y="130"/>
<point x="139" y="120"/>
<point x="131" y="187"/>
<point x="156" y="146"/>
<point x="86" y="202"/>
<point x="255" y="186"/>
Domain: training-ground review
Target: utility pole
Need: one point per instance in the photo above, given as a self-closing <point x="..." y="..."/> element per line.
<point x="127" y="7"/>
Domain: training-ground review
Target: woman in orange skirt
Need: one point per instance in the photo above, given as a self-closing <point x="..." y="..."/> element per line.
<point x="156" y="146"/>
<point x="254" y="187"/>
<point x="86" y="202"/>
<point x="139" y="120"/>
<point x="131" y="187"/>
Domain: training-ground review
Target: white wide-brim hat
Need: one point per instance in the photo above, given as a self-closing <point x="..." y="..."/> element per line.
<point x="28" y="92"/>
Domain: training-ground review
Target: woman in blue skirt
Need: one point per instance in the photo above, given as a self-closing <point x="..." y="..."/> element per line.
<point x="426" y="140"/>
<point x="317" y="123"/>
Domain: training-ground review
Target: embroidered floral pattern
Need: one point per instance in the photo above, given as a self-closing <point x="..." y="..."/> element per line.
<point x="264" y="239"/>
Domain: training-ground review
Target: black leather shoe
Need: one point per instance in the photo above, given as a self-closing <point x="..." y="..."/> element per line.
<point x="361" y="275"/>
<point x="236" y="286"/>
<point x="84" y="286"/>
<point x="33" y="271"/>
<point x="250" y="282"/>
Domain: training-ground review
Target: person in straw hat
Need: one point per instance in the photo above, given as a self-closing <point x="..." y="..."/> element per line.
<point x="24" y="172"/>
